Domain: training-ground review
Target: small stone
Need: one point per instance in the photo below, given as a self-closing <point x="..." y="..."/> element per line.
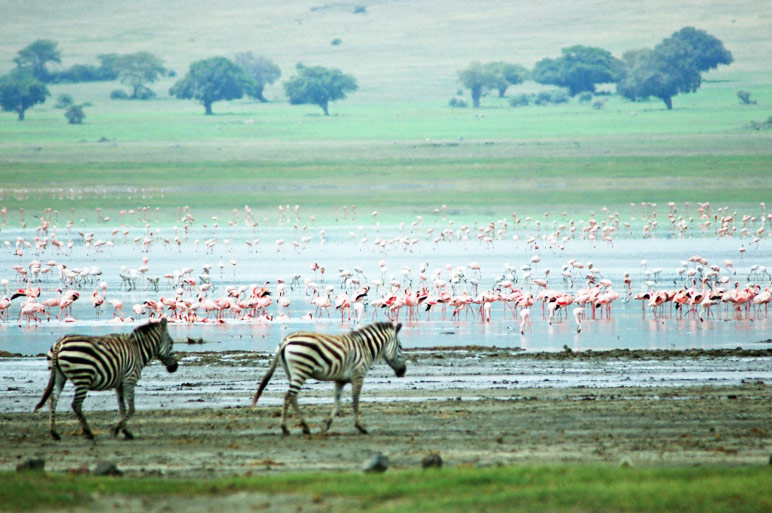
<point x="377" y="463"/>
<point x="431" y="460"/>
<point x="32" y="465"/>
<point x="107" y="468"/>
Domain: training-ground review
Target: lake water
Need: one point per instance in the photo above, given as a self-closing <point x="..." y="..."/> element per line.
<point x="389" y="252"/>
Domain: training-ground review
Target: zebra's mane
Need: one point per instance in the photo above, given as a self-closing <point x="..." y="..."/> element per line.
<point x="148" y="328"/>
<point x="375" y="326"/>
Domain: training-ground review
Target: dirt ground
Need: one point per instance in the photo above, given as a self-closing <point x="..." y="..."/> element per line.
<point x="649" y="426"/>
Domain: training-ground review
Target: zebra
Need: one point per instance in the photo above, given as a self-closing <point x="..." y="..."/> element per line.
<point x="342" y="358"/>
<point x="105" y="362"/>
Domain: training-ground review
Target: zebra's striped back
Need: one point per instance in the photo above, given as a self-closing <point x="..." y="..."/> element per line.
<point x="105" y="362"/>
<point x="338" y="357"/>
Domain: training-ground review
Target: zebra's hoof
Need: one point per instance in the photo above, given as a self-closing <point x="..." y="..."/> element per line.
<point x="56" y="436"/>
<point x="284" y="431"/>
<point x="128" y="435"/>
<point x="361" y="429"/>
<point x="89" y="435"/>
<point x="306" y="430"/>
<point x="116" y="430"/>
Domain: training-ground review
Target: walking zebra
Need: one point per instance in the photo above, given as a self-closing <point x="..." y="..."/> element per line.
<point x="100" y="363"/>
<point x="340" y="358"/>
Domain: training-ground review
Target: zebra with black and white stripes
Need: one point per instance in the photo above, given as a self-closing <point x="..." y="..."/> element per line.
<point x="340" y="358"/>
<point x="105" y="362"/>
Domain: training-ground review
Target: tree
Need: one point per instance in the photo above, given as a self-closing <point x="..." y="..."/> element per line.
<point x="501" y="75"/>
<point x="75" y="114"/>
<point x="673" y="67"/>
<point x="474" y="78"/>
<point x="19" y="91"/>
<point x="211" y="80"/>
<point x="136" y="69"/>
<point x="262" y="70"/>
<point x="318" y="85"/>
<point x="580" y="68"/>
<point x="705" y="51"/>
<point x="36" y="55"/>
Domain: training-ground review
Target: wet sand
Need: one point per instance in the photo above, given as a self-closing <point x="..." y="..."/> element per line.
<point x="209" y="430"/>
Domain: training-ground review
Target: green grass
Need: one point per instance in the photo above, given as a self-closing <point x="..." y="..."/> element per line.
<point x="522" y="488"/>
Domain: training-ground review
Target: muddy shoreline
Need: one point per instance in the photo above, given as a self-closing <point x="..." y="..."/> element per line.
<point x="473" y="407"/>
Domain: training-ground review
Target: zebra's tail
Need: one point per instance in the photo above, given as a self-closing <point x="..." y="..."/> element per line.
<point x="52" y="364"/>
<point x="266" y="378"/>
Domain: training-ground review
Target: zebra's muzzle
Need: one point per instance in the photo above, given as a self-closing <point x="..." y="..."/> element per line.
<point x="401" y="371"/>
<point x="172" y="367"/>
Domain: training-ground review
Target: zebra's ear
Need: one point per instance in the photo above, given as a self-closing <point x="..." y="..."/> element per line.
<point x="163" y="322"/>
<point x="397" y="328"/>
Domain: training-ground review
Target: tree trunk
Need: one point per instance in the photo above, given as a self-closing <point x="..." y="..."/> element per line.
<point x="668" y="102"/>
<point x="323" y="105"/>
<point x="476" y="93"/>
<point x="259" y="95"/>
<point x="21" y="114"/>
<point x="502" y="91"/>
<point x="208" y="108"/>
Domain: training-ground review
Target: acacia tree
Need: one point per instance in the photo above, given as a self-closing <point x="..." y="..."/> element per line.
<point x="474" y="78"/>
<point x="318" y="85"/>
<point x="501" y="75"/>
<point x="673" y="67"/>
<point x="19" y="91"/>
<point x="262" y="70"/>
<point x="136" y="69"/>
<point x="579" y="69"/>
<point x="211" y="80"/>
<point x="36" y="55"/>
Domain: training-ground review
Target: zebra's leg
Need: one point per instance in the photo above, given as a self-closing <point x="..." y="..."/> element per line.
<point x="126" y="391"/>
<point x="291" y="398"/>
<point x="356" y="388"/>
<point x="77" y="407"/>
<point x="335" y="409"/>
<point x="121" y="426"/>
<point x="61" y="379"/>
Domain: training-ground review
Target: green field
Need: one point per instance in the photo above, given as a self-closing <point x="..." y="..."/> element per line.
<point x="551" y="488"/>
<point x="395" y="144"/>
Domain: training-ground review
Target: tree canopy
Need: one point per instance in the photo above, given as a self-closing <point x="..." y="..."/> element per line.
<point x="318" y="85"/>
<point x="673" y="67"/>
<point x="496" y="75"/>
<point x="36" y="55"/>
<point x="501" y="75"/>
<point x="475" y="78"/>
<point x="580" y="68"/>
<point x="136" y="69"/>
<point x="20" y="90"/>
<point x="262" y="70"/>
<point x="211" y="80"/>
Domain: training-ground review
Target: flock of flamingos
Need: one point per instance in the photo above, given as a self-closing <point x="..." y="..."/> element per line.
<point x="43" y="276"/>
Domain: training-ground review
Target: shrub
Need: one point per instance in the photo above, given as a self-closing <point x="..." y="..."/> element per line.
<point x="585" y="97"/>
<point x="144" y="93"/>
<point x="360" y="9"/>
<point x="543" y="98"/>
<point x="520" y="100"/>
<point x="559" y="96"/>
<point x="598" y="104"/>
<point x="457" y="102"/>
<point x="337" y="41"/>
<point x="745" y="98"/>
<point x="119" y="94"/>
<point x="64" y="101"/>
<point x="75" y="115"/>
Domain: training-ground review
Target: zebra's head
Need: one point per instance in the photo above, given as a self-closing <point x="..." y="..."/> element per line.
<point x="392" y="353"/>
<point x="159" y="332"/>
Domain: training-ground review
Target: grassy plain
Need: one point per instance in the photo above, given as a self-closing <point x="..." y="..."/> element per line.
<point x="521" y="488"/>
